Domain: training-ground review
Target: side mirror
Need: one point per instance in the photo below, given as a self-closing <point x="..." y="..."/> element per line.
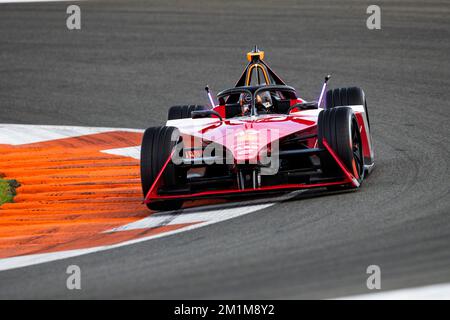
<point x="205" y="114"/>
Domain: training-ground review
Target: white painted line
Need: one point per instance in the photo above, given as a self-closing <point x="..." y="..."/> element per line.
<point x="202" y="218"/>
<point x="28" y="260"/>
<point x="132" y="152"/>
<point x="18" y="134"/>
<point x="432" y="292"/>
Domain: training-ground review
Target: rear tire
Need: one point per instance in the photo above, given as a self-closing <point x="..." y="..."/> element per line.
<point x="346" y="97"/>
<point x="157" y="146"/>
<point x="339" y="127"/>
<point x="183" y="112"/>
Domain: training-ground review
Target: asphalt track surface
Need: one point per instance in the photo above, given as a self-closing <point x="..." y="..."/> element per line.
<point x="132" y="60"/>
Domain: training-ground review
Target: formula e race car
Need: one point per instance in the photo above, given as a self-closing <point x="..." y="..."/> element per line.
<point x="259" y="137"/>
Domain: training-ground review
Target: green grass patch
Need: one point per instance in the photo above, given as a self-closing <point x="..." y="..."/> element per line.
<point x="7" y="190"/>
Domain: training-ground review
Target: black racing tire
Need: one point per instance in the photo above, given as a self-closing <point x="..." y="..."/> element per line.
<point x="157" y="146"/>
<point x="183" y="112"/>
<point x="346" y="97"/>
<point x="339" y="127"/>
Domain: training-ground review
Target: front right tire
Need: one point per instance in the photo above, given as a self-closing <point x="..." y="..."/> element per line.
<point x="156" y="148"/>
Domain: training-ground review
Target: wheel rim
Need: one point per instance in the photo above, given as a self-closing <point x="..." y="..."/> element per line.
<point x="358" y="160"/>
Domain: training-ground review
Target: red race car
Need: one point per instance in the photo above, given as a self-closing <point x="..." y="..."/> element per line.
<point x="260" y="137"/>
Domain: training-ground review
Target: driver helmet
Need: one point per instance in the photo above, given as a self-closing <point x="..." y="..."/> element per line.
<point x="264" y="101"/>
<point x="245" y="101"/>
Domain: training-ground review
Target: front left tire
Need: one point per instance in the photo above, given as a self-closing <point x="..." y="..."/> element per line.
<point x="339" y="127"/>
